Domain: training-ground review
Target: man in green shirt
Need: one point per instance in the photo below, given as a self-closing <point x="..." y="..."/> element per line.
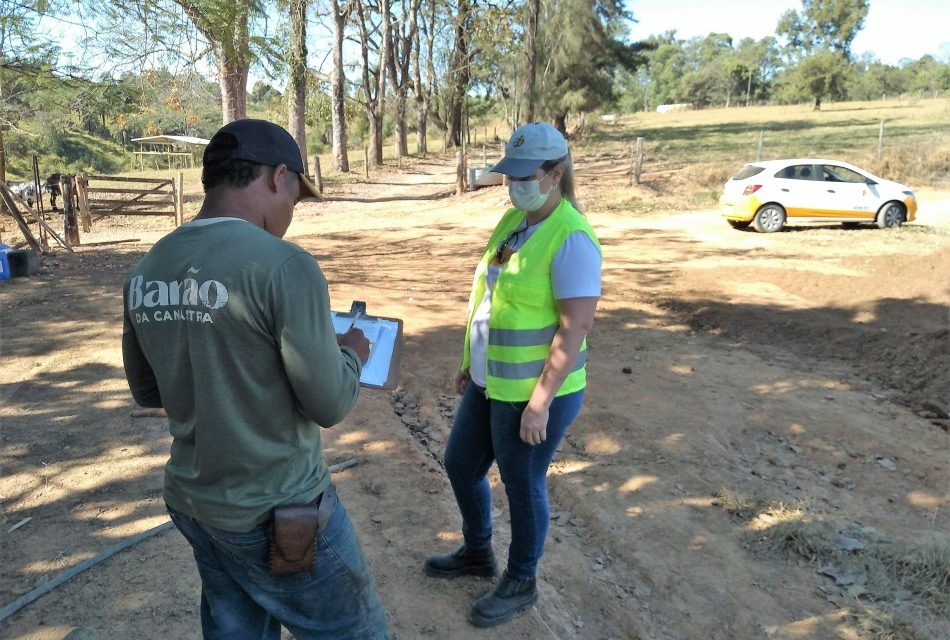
<point x="228" y="327"/>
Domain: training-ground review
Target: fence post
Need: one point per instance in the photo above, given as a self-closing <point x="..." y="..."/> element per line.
<point x="82" y="184"/>
<point x="758" y="154"/>
<point x="484" y="156"/>
<point x="318" y="175"/>
<point x="633" y="164"/>
<point x="459" y="173"/>
<point x="180" y="198"/>
<point x="366" y="162"/>
<point x="639" y="165"/>
<point x="69" y="210"/>
<point x="880" y="140"/>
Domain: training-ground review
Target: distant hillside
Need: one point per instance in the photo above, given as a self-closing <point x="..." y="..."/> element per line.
<point x="61" y="151"/>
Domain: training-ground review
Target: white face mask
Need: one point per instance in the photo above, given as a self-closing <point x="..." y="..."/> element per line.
<point x="527" y="194"/>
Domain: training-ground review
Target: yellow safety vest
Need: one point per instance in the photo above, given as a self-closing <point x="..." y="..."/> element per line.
<point x="524" y="314"/>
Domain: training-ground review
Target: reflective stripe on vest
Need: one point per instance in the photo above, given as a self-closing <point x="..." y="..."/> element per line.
<point x="522" y="370"/>
<point x="521" y="337"/>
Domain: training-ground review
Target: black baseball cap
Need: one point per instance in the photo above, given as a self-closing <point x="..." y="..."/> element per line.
<point x="262" y="142"/>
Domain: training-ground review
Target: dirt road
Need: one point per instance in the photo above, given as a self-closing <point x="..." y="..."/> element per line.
<point x="753" y="399"/>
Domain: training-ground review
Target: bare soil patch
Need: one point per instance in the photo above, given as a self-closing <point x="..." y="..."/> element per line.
<point x="778" y="383"/>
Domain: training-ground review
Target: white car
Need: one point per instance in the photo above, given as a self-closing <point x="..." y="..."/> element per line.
<point x="771" y="194"/>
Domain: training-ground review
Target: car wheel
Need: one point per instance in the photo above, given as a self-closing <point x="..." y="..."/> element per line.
<point x="739" y="224"/>
<point x="890" y="215"/>
<point x="769" y="218"/>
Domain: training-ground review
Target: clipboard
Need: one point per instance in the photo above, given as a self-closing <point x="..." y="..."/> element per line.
<point x="381" y="370"/>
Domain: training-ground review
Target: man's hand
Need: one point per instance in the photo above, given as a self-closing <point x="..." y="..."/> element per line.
<point x="355" y="340"/>
<point x="461" y="381"/>
<point x="534" y="425"/>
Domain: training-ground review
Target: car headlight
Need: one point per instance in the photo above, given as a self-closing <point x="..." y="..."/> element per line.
<point x="909" y="194"/>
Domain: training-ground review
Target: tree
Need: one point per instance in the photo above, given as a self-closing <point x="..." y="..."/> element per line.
<point x="297" y="80"/>
<point x="164" y="33"/>
<point x="820" y="75"/>
<point x="27" y="64"/>
<point x="819" y="39"/>
<point x="341" y="14"/>
<point x="533" y="10"/>
<point x="373" y="91"/>
<point x="402" y="43"/>
<point x="582" y="43"/>
<point x="460" y="71"/>
<point x="760" y="60"/>
<point x="226" y="27"/>
<point x="423" y="89"/>
<point x="824" y="25"/>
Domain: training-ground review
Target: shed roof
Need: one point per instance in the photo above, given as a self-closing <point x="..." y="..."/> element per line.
<point x="171" y="140"/>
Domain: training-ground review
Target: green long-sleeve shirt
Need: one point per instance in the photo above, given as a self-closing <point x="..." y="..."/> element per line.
<point x="229" y="329"/>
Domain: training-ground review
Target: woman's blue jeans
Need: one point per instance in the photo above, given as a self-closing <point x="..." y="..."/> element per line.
<point x="240" y="599"/>
<point x="486" y="431"/>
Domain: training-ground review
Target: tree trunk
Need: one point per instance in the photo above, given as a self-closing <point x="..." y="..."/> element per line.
<point x="460" y="75"/>
<point x="3" y="158"/>
<point x="560" y="123"/>
<point x="403" y="44"/>
<point x="233" y="83"/>
<point x="748" y="91"/>
<point x="232" y="55"/>
<point x="341" y="161"/>
<point x="297" y="85"/>
<point x="531" y="39"/>
<point x="423" y="92"/>
<point x="402" y="140"/>
<point x="376" y="137"/>
<point x="817" y="103"/>
<point x="422" y="123"/>
<point x="376" y="122"/>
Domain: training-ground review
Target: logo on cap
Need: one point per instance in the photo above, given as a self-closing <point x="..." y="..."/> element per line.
<point x="518" y="142"/>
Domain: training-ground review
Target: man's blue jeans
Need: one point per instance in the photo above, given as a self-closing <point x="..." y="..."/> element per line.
<point x="485" y="431"/>
<point x="240" y="599"/>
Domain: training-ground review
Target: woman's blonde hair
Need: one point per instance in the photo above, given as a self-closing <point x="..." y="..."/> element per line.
<point x="567" y="179"/>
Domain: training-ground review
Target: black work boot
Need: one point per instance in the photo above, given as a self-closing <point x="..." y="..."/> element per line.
<point x="463" y="562"/>
<point x="509" y="596"/>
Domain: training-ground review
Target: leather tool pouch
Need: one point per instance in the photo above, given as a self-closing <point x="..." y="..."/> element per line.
<point x="293" y="532"/>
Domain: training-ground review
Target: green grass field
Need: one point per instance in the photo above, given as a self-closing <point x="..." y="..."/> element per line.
<point x="690" y="154"/>
<point x="846" y="131"/>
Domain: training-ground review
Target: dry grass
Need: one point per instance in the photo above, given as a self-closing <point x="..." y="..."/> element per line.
<point x="900" y="591"/>
<point x="690" y="155"/>
<point x="901" y="586"/>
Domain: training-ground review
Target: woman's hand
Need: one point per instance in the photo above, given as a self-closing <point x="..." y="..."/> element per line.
<point x="534" y="425"/>
<point x="461" y="381"/>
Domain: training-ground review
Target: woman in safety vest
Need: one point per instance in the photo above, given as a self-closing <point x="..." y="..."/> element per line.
<point x="523" y="368"/>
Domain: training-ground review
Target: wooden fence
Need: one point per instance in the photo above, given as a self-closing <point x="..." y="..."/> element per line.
<point x="102" y="196"/>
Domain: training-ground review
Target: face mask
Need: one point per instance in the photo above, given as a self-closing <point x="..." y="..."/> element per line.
<point x="527" y="194"/>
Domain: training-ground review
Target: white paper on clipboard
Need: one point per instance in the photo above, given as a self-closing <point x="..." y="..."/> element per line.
<point x="382" y="334"/>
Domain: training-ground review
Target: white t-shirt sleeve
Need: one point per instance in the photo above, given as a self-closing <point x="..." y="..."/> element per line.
<point x="575" y="271"/>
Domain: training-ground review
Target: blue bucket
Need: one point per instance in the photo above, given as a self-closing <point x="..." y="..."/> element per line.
<point x="4" y="262"/>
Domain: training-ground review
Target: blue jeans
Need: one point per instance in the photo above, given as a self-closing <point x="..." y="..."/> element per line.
<point x="240" y="599"/>
<point x="485" y="431"/>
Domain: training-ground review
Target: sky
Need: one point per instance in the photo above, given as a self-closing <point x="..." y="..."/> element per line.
<point x="894" y="29"/>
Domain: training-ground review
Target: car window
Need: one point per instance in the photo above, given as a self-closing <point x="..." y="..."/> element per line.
<point x="748" y="171"/>
<point x="796" y="172"/>
<point x="834" y="173"/>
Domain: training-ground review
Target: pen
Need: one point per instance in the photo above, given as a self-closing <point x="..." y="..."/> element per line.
<point x="356" y="317"/>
